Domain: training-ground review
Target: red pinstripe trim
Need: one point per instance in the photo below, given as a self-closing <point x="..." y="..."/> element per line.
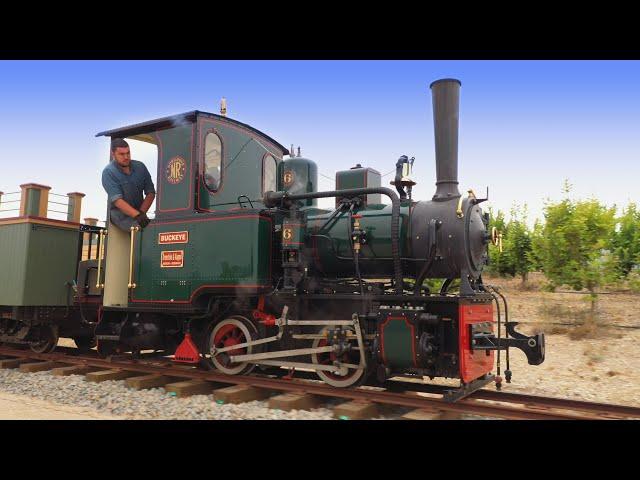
<point x="215" y="124"/>
<point x="201" y="181"/>
<point x="201" y="287"/>
<point x="161" y="177"/>
<point x="413" y="348"/>
<point x="267" y="285"/>
<point x="248" y="132"/>
<point x="213" y="219"/>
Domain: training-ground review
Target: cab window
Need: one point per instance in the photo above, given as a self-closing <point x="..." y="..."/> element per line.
<point x="269" y="173"/>
<point x="212" y="161"/>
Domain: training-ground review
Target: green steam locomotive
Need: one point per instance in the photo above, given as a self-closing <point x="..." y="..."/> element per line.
<point x="240" y="269"/>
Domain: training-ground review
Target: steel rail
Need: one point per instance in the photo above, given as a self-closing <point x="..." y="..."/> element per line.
<point x="527" y="399"/>
<point x="533" y="407"/>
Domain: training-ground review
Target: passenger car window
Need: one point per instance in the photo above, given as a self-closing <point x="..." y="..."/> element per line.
<point x="212" y="161"/>
<point x="269" y="173"/>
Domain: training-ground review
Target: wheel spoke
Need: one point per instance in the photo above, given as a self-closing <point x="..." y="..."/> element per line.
<point x="352" y="377"/>
<point x="226" y="334"/>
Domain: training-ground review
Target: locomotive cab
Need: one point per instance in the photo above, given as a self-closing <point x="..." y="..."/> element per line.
<point x="211" y="174"/>
<point x="207" y="162"/>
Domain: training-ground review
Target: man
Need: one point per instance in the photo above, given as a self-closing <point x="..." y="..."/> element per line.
<point x="125" y="180"/>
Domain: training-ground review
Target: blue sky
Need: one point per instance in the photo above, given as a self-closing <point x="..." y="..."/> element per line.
<point x="525" y="126"/>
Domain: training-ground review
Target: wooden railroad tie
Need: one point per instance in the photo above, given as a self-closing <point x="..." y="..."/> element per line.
<point x="149" y="381"/>
<point x="189" y="387"/>
<point x="39" y="366"/>
<point x="15" y="362"/>
<point x="430" y="414"/>
<point x="356" y="410"/>
<point x="104" y="375"/>
<point x="73" y="370"/>
<point x="240" y="394"/>
<point x="295" y="401"/>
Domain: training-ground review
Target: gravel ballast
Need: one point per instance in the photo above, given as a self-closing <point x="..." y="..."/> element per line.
<point x="115" y="398"/>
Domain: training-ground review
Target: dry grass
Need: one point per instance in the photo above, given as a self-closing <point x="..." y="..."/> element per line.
<point x="556" y="310"/>
<point x="594" y="356"/>
<point x="587" y="330"/>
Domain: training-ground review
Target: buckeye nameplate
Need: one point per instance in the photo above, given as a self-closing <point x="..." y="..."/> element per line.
<point x="173" y="237"/>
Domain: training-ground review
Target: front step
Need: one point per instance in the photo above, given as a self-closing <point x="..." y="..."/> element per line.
<point x="456" y="394"/>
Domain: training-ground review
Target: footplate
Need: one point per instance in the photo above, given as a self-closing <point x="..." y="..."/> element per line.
<point x="533" y="346"/>
<point x="467" y="389"/>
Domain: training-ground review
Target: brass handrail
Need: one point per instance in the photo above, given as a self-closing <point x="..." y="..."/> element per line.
<point x="103" y="233"/>
<point x="459" y="212"/>
<point x="133" y="236"/>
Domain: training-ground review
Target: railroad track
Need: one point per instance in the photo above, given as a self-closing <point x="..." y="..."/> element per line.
<point x="153" y="371"/>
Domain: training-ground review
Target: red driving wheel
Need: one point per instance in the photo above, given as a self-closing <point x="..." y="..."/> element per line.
<point x="327" y="358"/>
<point x="227" y="333"/>
<point x="228" y="336"/>
<point x="353" y="376"/>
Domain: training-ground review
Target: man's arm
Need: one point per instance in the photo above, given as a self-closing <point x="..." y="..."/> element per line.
<point x="146" y="204"/>
<point x="149" y="190"/>
<point x="127" y="209"/>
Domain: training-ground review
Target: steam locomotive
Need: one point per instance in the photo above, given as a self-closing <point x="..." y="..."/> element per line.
<point x="240" y="268"/>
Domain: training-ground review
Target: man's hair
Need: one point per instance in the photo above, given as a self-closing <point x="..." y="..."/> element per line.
<point x="118" y="143"/>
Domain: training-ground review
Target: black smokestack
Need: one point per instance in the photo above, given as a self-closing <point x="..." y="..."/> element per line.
<point x="446" y="105"/>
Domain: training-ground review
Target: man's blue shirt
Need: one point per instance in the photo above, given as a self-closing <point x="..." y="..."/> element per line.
<point x="128" y="187"/>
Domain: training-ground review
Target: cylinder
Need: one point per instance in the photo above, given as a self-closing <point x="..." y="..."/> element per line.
<point x="446" y="106"/>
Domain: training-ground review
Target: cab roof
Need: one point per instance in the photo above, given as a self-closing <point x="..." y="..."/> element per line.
<point x="181" y="118"/>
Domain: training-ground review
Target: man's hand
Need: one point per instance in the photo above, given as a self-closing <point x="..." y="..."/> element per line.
<point x="142" y="219"/>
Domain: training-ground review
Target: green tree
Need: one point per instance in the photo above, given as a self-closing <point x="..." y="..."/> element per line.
<point x="571" y="246"/>
<point x="515" y="258"/>
<point x="537" y="246"/>
<point x="625" y="243"/>
<point x="499" y="263"/>
<point x="518" y="243"/>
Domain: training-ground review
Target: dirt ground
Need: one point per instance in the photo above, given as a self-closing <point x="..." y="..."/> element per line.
<point x="596" y="362"/>
<point x="21" y="407"/>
